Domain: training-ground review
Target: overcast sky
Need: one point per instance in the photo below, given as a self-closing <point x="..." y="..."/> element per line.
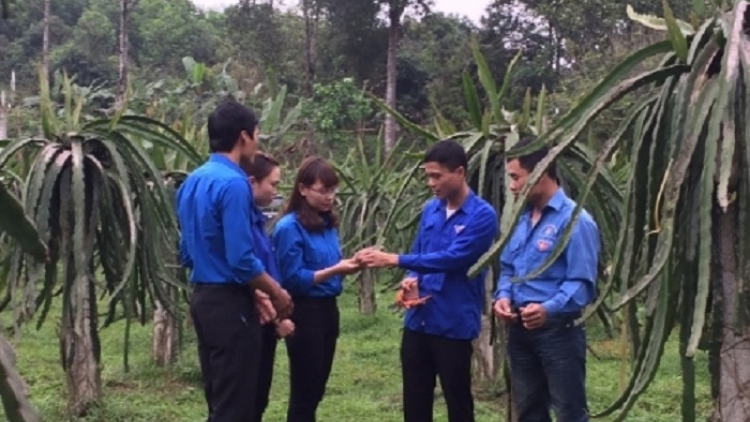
<point x="473" y="9"/>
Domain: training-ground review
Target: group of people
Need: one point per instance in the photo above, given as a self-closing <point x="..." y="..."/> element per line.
<point x="252" y="288"/>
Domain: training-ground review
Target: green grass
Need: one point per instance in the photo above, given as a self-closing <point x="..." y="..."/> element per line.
<point x="365" y="385"/>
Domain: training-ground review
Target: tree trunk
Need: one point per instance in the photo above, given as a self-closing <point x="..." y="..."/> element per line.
<point x="13" y="389"/>
<point x="3" y="116"/>
<point x="81" y="351"/>
<point x="486" y="356"/>
<point x="367" y="298"/>
<point x="45" y="40"/>
<point x="394" y="14"/>
<point x="310" y="13"/>
<point x="166" y="332"/>
<point x="122" y="84"/>
<point x="734" y="370"/>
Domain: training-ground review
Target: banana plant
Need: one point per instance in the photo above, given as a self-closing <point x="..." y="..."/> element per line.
<point x="100" y="205"/>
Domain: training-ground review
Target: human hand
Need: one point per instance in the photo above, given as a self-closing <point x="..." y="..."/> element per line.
<point x="358" y="256"/>
<point x="503" y="311"/>
<point x="533" y="316"/>
<point x="374" y="258"/>
<point x="285" y="328"/>
<point x="348" y="266"/>
<point x="410" y="287"/>
<point x="283" y="304"/>
<point x="408" y="295"/>
<point x="263" y="304"/>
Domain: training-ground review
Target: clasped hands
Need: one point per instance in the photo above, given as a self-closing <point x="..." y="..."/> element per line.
<point x="267" y="313"/>
<point x="532" y="315"/>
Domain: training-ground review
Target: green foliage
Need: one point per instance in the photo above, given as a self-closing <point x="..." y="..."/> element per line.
<point x="689" y="134"/>
<point x="15" y="401"/>
<point x="365" y="383"/>
<point x="16" y="224"/>
<point x="336" y="107"/>
<point x="100" y="204"/>
<point x="381" y="199"/>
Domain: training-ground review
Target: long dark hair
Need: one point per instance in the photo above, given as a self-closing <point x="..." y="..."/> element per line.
<point x="313" y="169"/>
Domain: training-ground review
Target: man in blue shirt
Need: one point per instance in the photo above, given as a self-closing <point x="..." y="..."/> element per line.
<point x="547" y="350"/>
<point x="456" y="228"/>
<point x="214" y="209"/>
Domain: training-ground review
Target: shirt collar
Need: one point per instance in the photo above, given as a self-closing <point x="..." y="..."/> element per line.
<point x="222" y="159"/>
<point x="558" y="199"/>
<point x="467" y="207"/>
<point x="556" y="202"/>
<point x="258" y="217"/>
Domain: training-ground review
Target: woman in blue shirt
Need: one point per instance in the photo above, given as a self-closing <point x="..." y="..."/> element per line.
<point x="308" y="251"/>
<point x="265" y="174"/>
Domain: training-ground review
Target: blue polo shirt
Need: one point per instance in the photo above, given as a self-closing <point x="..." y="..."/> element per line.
<point x="300" y="253"/>
<point x="444" y="250"/>
<point x="570" y="283"/>
<point x="263" y="246"/>
<point x="214" y="205"/>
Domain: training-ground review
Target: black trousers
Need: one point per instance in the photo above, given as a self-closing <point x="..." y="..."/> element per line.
<point x="229" y="339"/>
<point x="265" y="375"/>
<point x="425" y="357"/>
<point x="311" y="350"/>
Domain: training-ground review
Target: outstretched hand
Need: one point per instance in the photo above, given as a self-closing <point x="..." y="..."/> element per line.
<point x="349" y="266"/>
<point x="373" y="258"/>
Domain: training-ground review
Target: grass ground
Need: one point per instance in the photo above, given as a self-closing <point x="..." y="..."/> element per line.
<point x="364" y="386"/>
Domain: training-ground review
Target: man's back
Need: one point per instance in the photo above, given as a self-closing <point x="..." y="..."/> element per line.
<point x="213" y="207"/>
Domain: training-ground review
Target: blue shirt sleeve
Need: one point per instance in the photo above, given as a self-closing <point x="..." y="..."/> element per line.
<point x="506" y="272"/>
<point x="185" y="259"/>
<point x="415" y="247"/>
<point x="289" y="245"/>
<point x="236" y="202"/>
<point x="473" y="241"/>
<point x="582" y="259"/>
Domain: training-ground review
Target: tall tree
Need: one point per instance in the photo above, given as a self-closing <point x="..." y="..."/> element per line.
<point x="45" y="42"/>
<point x="396" y="9"/>
<point x="311" y="13"/>
<point x="126" y="7"/>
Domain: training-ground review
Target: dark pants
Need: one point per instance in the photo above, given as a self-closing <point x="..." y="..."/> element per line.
<point x="311" y="350"/>
<point x="228" y="332"/>
<point x="424" y="357"/>
<point x="265" y="375"/>
<point x="548" y="369"/>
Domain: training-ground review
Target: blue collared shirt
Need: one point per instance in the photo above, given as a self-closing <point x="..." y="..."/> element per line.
<point x="301" y="253"/>
<point x="263" y="246"/>
<point x="214" y="205"/>
<point x="443" y="252"/>
<point x="568" y="285"/>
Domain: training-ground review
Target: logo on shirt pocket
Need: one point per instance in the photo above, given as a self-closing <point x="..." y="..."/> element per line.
<point x="543" y="245"/>
<point x="549" y="230"/>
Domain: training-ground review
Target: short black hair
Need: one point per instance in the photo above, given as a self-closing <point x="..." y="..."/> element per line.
<point x="448" y="153"/>
<point x="530" y="160"/>
<point x="226" y="123"/>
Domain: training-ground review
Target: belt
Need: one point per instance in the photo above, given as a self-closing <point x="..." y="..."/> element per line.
<point x="221" y="286"/>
